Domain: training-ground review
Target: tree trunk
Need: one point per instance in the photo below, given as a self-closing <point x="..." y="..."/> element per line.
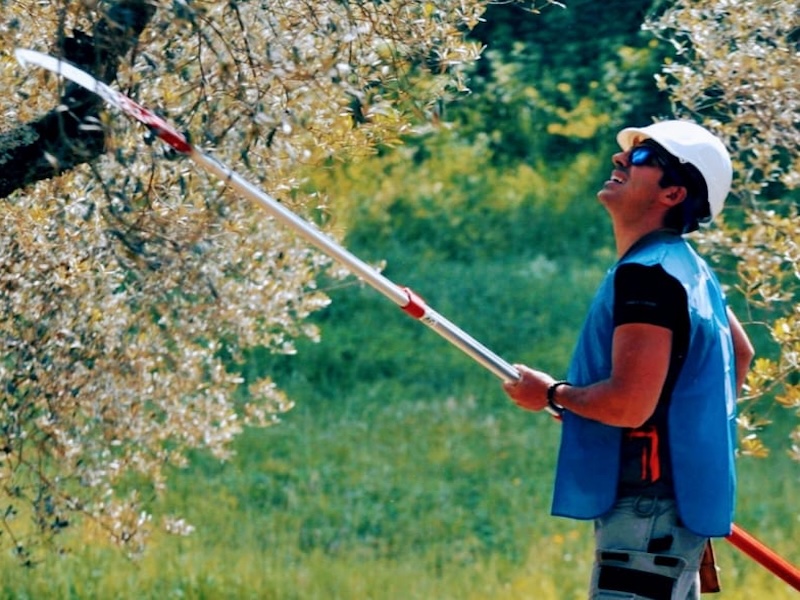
<point x="70" y="134"/>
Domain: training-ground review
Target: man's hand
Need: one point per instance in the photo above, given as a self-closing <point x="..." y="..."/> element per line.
<point x="530" y="391"/>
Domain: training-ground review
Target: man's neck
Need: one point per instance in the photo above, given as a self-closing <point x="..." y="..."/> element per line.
<point x="625" y="238"/>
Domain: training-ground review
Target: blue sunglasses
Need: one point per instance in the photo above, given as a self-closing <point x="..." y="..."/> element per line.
<point x="647" y="156"/>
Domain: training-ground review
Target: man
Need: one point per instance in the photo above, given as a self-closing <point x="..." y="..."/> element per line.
<point x="648" y="408"/>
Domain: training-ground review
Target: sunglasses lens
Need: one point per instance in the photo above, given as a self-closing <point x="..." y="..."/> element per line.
<point x="643" y="156"/>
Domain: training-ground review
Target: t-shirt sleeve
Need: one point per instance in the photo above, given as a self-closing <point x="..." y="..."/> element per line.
<point x="648" y="294"/>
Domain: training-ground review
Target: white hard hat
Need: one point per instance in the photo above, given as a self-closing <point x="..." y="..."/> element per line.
<point x="693" y="144"/>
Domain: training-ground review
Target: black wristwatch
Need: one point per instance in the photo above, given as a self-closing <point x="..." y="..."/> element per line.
<point x="551" y="393"/>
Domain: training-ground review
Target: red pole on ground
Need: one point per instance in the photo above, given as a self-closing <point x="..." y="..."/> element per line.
<point x="764" y="556"/>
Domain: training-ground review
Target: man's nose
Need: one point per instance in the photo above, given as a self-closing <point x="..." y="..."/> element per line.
<point x="620" y="159"/>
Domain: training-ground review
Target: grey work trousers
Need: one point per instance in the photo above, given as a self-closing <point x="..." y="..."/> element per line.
<point x="644" y="552"/>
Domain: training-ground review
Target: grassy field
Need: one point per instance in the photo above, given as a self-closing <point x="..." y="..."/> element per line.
<point x="418" y="499"/>
<point x="403" y="473"/>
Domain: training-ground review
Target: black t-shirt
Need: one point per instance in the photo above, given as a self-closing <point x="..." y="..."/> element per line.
<point x="648" y="294"/>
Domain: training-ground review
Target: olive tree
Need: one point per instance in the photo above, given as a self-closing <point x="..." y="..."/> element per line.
<point x="736" y="68"/>
<point x="131" y="285"/>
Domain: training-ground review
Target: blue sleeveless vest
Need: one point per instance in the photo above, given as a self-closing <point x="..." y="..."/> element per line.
<point x="701" y="418"/>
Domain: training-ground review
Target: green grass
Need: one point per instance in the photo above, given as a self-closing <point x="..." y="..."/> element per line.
<point x="421" y="498"/>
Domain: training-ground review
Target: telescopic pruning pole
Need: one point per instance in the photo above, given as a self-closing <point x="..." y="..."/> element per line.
<point x="401" y="296"/>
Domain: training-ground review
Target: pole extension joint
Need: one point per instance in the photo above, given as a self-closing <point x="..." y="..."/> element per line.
<point x="416" y="306"/>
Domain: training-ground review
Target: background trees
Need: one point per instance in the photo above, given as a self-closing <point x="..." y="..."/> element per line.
<point x="564" y="82"/>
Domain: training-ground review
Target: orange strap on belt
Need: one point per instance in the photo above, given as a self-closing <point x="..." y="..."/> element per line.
<point x="651" y="464"/>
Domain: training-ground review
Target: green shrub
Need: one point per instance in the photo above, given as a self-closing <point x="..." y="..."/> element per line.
<point x="452" y="204"/>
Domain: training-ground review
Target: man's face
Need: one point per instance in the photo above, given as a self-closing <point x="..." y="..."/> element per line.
<point x="632" y="191"/>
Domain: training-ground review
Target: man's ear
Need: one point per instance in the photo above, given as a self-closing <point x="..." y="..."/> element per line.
<point x="673" y="195"/>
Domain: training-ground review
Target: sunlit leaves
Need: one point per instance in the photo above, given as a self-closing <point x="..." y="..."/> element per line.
<point x="751" y="445"/>
<point x="131" y="287"/>
<point x="737" y="67"/>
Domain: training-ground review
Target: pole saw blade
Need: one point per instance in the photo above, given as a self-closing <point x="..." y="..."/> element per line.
<point x="157" y="125"/>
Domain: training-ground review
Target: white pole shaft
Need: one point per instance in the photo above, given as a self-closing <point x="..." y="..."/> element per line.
<point x="403" y="297"/>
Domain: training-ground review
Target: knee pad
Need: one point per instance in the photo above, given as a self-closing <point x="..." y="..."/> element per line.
<point x="647" y="575"/>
